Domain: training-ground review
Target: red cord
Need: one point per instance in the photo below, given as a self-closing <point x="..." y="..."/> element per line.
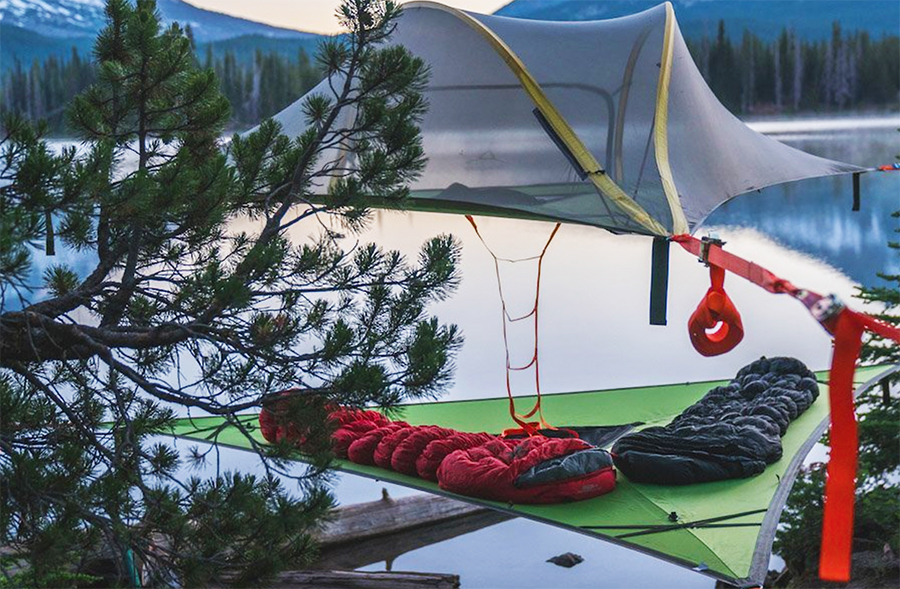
<point x="528" y="427"/>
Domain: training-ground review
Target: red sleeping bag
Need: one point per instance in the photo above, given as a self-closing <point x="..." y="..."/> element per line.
<point x="385" y="449"/>
<point x="403" y="459"/>
<point x="532" y="470"/>
<point x="362" y="451"/>
<point x="268" y="426"/>
<point x="349" y="433"/>
<point x="274" y="429"/>
<point x="434" y="453"/>
<point x="341" y="417"/>
<point x="536" y="470"/>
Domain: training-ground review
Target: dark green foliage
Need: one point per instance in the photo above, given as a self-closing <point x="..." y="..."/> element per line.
<point x="877" y="520"/>
<point x="876" y="349"/>
<point x="789" y="74"/>
<point x="257" y="87"/>
<point x="192" y="296"/>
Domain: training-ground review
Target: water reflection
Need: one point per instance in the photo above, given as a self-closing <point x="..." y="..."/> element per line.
<point x="594" y="326"/>
<point x="814" y="216"/>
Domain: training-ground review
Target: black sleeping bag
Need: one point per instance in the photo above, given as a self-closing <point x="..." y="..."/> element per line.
<point x="734" y="431"/>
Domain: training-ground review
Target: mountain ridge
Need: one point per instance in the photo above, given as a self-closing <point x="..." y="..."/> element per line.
<point x="810" y="19"/>
<point x="84" y="18"/>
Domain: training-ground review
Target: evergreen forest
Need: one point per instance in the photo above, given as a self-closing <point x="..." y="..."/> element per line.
<point x="848" y="71"/>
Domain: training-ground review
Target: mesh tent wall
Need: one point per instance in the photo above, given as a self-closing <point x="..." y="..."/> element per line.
<point x="607" y="123"/>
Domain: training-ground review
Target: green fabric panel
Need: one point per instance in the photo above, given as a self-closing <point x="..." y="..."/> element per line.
<point x="727" y="552"/>
<point x="650" y="405"/>
<point x="571" y="209"/>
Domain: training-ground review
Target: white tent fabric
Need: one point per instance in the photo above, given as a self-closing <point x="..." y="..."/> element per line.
<point x="607" y="123"/>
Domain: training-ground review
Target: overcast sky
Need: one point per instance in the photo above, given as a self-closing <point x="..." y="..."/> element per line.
<point x="316" y="16"/>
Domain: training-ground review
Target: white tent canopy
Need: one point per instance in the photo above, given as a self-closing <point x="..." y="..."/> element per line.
<point x="607" y="123"/>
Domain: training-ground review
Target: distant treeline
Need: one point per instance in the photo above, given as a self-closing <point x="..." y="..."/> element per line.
<point x="847" y="71"/>
<point x="261" y="88"/>
<point x="256" y="88"/>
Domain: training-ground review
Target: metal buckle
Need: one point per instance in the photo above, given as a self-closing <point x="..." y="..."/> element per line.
<point x="705" y="244"/>
<point x="824" y="309"/>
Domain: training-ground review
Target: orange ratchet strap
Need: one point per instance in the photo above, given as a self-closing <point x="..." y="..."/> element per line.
<point x="847" y="327"/>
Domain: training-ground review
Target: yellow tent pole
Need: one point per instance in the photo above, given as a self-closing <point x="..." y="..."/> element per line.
<point x="661" y="123"/>
<point x="560" y="126"/>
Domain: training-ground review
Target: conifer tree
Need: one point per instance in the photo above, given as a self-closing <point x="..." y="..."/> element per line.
<point x="189" y="296"/>
<point x="877" y="349"/>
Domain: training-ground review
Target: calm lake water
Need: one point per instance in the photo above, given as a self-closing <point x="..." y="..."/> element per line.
<point x="595" y="332"/>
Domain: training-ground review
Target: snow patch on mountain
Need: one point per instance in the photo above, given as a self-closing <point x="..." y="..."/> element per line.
<point x="68" y="19"/>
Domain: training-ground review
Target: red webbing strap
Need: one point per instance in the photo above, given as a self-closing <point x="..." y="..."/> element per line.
<point x="716" y="256"/>
<point x="715" y="327"/>
<point x="847" y="326"/>
<point x="840" y="486"/>
<point x="525" y="427"/>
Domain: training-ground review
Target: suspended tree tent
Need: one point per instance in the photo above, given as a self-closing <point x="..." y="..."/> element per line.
<point x="610" y="124"/>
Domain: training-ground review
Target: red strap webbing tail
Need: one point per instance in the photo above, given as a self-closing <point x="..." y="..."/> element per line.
<point x="715" y="326"/>
<point x="529" y="428"/>
<point x="847" y="326"/>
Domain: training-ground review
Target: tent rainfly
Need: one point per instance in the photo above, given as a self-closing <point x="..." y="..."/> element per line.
<point x="605" y="123"/>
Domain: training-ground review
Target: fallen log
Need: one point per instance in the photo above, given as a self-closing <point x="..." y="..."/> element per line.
<point x="386" y="516"/>
<point x="387" y="548"/>
<point x="364" y="580"/>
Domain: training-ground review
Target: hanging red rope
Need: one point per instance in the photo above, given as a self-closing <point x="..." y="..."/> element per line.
<point x="847" y="327"/>
<point x="529" y="428"/>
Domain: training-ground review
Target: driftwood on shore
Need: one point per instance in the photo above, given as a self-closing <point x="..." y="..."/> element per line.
<point x="387" y="548"/>
<point x="364" y="580"/>
<point x="380" y="531"/>
<point x="387" y="516"/>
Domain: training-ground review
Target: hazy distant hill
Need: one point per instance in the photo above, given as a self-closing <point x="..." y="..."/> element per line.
<point x="36" y="29"/>
<point x="26" y="46"/>
<point x="810" y="19"/>
<point x="245" y="47"/>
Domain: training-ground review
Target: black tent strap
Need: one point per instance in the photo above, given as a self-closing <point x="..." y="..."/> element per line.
<point x="712" y="522"/>
<point x="856" y="197"/>
<point x="563" y="148"/>
<point x="690" y="527"/>
<point x="659" y="280"/>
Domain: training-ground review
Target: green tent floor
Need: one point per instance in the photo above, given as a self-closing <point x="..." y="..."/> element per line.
<point x="723" y="529"/>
